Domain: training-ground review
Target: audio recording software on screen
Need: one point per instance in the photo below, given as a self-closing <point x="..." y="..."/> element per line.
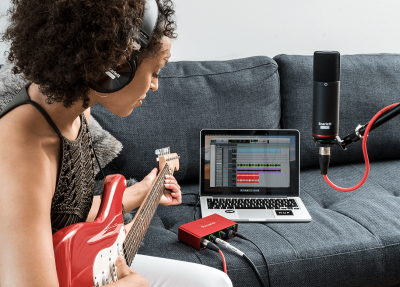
<point x="249" y="163"/>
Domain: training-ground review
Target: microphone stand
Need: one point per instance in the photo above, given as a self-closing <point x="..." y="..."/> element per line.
<point x="324" y="146"/>
<point x="360" y="129"/>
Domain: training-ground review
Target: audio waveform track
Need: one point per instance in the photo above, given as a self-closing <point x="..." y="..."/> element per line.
<point x="245" y="165"/>
<point x="248" y="178"/>
<point x="261" y="170"/>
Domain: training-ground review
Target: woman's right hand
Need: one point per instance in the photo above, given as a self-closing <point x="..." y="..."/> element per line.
<point x="123" y="271"/>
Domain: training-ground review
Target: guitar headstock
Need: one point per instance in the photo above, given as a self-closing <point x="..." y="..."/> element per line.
<point x="165" y="156"/>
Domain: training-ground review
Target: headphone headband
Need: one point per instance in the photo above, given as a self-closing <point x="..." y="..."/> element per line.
<point x="149" y="23"/>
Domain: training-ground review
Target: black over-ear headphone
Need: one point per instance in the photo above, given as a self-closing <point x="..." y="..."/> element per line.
<point x="118" y="76"/>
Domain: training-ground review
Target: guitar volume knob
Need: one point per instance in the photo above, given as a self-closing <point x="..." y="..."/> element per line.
<point x="120" y="251"/>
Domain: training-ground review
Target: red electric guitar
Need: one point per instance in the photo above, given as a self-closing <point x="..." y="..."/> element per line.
<point x="85" y="253"/>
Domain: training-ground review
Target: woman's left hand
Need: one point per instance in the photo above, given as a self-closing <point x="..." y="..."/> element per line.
<point x="172" y="193"/>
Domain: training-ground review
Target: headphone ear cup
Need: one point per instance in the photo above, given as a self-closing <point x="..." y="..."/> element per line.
<point x="113" y="80"/>
<point x="116" y="78"/>
<point x="134" y="62"/>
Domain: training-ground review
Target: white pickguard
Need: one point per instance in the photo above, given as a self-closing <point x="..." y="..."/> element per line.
<point x="104" y="269"/>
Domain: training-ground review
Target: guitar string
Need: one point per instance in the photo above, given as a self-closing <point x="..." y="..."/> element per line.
<point x="132" y="243"/>
<point x="153" y="197"/>
<point x="148" y="213"/>
<point x="144" y="211"/>
<point x="142" y="226"/>
<point x="127" y="248"/>
<point x="147" y="210"/>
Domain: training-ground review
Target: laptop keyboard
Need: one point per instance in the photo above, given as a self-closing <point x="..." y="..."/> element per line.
<point x="251" y="203"/>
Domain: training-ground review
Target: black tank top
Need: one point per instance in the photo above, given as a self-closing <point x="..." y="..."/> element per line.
<point x="74" y="192"/>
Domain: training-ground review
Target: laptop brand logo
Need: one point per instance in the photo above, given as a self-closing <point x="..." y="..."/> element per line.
<point x="284" y="212"/>
<point x="229" y="211"/>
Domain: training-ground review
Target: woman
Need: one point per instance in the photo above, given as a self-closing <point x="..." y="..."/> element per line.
<point x="46" y="168"/>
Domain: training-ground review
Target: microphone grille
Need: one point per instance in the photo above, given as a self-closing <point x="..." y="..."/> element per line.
<point x="326" y="66"/>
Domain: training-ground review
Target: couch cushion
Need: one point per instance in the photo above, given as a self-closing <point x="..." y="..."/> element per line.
<point x="368" y="83"/>
<point x="234" y="94"/>
<point x="352" y="240"/>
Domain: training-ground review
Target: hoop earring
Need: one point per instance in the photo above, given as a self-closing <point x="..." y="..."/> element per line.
<point x="101" y="95"/>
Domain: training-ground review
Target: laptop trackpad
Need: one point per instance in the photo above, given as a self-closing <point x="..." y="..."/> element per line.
<point x="256" y="214"/>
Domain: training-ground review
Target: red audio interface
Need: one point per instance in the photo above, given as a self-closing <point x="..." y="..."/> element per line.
<point x="192" y="232"/>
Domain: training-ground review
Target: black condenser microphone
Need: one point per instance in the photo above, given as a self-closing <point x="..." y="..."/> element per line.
<point x="326" y="97"/>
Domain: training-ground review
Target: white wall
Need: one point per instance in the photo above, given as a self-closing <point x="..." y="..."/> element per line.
<point x="227" y="29"/>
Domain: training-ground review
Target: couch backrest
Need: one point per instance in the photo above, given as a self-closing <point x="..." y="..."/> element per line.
<point x="369" y="83"/>
<point x="235" y="94"/>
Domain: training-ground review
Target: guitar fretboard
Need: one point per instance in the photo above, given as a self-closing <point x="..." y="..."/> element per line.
<point x="144" y="215"/>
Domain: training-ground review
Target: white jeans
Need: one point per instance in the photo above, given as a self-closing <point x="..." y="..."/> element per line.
<point x="162" y="272"/>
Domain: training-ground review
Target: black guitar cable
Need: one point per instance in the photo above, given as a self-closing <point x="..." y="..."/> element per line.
<point x="240" y="253"/>
<point x="197" y="203"/>
<point x="192" y="203"/>
<point x="265" y="259"/>
<point x="231" y="234"/>
<point x="189" y="193"/>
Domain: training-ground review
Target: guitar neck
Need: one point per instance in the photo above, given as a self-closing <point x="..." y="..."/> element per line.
<point x="144" y="215"/>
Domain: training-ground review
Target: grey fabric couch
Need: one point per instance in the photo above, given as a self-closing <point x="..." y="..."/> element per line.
<point x="353" y="238"/>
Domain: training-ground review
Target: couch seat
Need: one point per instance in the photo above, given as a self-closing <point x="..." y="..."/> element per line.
<point x="352" y="240"/>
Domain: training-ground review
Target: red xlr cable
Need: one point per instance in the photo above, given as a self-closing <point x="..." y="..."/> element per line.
<point x="364" y="147"/>
<point x="223" y="260"/>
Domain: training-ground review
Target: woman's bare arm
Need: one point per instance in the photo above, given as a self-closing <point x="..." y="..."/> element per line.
<point x="26" y="180"/>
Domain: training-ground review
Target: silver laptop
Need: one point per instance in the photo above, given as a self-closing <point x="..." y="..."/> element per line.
<point x="251" y="175"/>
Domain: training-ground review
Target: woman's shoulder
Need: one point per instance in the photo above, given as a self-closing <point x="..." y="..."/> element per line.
<point x="22" y="125"/>
<point x="22" y="148"/>
<point x="24" y="138"/>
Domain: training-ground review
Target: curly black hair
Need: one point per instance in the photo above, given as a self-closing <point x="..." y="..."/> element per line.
<point x="61" y="45"/>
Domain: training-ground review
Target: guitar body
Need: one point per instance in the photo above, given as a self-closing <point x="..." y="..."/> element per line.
<point x="85" y="252"/>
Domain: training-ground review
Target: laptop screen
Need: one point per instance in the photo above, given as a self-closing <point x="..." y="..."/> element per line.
<point x="256" y="162"/>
